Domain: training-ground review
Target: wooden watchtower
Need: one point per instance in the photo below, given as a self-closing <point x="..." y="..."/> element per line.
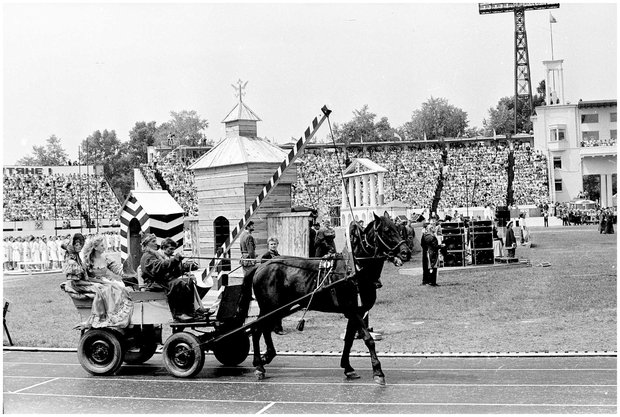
<point x="230" y="177"/>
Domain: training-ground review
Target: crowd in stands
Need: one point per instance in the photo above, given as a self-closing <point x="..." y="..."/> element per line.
<point x="179" y="181"/>
<point x="475" y="175"/>
<point x="588" y="142"/>
<point x="57" y="196"/>
<point x="44" y="253"/>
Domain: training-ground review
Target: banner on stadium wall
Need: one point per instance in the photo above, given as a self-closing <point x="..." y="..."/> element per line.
<point x="49" y="170"/>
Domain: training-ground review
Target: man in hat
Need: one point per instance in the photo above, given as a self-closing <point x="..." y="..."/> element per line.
<point x="430" y="254"/>
<point x="325" y="239"/>
<point x="164" y="273"/>
<point x="511" y="241"/>
<point x="247" y="245"/>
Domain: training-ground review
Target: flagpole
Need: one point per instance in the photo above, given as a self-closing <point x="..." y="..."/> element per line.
<point x="551" y="32"/>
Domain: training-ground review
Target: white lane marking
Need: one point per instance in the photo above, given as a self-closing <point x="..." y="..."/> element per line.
<point x="265" y="408"/>
<point x="314" y="402"/>
<point x="332" y="383"/>
<point x="35" y="385"/>
<point x="284" y="368"/>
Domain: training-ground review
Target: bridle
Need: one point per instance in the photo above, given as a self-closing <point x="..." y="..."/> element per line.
<point x="381" y="248"/>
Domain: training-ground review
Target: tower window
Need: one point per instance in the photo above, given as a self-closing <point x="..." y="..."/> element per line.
<point x="557" y="162"/>
<point x="613" y="116"/>
<point x="558" y="185"/>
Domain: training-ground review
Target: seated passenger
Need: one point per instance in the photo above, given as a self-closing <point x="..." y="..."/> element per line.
<point x="165" y="272"/>
<point x="111" y="304"/>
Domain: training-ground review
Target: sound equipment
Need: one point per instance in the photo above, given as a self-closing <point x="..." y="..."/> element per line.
<point x="483" y="257"/>
<point x="502" y="214"/>
<point x="482" y="241"/>
<point x="453" y="242"/>
<point x="454" y="258"/>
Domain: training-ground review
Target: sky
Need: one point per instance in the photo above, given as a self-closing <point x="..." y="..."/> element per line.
<point x="70" y="69"/>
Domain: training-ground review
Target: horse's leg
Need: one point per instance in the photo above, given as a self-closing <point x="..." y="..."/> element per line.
<point x="349" y="336"/>
<point x="377" y="372"/>
<point x="257" y="362"/>
<point x="271" y="350"/>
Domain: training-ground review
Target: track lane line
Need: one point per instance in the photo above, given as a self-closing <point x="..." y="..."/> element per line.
<point x="265" y="408"/>
<point x="318" y="402"/>
<point x="332" y="383"/>
<point x="32" y="386"/>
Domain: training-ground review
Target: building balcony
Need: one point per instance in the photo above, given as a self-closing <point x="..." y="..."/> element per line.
<point x="603" y="150"/>
<point x="557" y="145"/>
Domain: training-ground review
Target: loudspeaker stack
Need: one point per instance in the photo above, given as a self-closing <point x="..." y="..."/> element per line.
<point x="482" y="242"/>
<point x="454" y="239"/>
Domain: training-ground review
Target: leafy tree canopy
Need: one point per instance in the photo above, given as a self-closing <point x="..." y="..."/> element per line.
<point x="437" y="118"/>
<point x="49" y="155"/>
<point x="501" y="117"/>
<point x="362" y="128"/>
<point x="184" y="128"/>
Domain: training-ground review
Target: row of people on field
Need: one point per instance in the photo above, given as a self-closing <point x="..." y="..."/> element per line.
<point x="41" y="253"/>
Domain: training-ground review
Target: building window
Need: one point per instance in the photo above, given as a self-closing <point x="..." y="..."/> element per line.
<point x="558" y="185"/>
<point x="613" y="117"/>
<point x="613" y="134"/>
<point x="557" y="134"/>
<point x="557" y="162"/>
<point x="589" y="118"/>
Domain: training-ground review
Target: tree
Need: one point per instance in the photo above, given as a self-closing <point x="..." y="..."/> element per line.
<point x="437" y="118"/>
<point x="362" y="128"/>
<point x="185" y="128"/>
<point x="141" y="136"/>
<point x="51" y="154"/>
<point x="501" y="118"/>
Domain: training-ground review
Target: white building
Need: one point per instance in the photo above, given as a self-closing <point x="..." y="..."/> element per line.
<point x="579" y="140"/>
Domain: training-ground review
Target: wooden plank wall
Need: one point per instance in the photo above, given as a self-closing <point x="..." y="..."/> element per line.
<point x="292" y="231"/>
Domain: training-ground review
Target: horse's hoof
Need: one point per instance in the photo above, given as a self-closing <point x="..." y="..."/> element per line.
<point x="352" y="375"/>
<point x="259" y="375"/>
<point x="379" y="380"/>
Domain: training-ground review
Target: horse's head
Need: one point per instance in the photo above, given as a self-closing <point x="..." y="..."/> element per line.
<point x="388" y="240"/>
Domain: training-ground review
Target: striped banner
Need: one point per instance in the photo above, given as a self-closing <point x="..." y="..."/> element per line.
<point x="290" y="158"/>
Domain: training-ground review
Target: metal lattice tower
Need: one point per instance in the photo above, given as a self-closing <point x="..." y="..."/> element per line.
<point x="523" y="82"/>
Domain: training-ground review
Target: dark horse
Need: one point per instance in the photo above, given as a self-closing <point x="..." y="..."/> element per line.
<point x="281" y="281"/>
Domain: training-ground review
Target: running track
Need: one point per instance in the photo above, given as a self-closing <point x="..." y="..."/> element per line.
<point x="54" y="382"/>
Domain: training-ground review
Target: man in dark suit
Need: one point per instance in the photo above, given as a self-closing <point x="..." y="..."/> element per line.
<point x="430" y="255"/>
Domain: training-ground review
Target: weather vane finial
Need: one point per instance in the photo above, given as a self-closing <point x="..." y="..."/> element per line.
<point x="239" y="89"/>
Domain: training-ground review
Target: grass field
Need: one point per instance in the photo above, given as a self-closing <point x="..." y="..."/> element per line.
<point x="568" y="306"/>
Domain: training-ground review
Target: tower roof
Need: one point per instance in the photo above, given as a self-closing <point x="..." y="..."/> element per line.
<point x="240" y="150"/>
<point x="241" y="111"/>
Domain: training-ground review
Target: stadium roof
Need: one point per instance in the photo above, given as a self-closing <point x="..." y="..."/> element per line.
<point x="597" y="103"/>
<point x="240" y="150"/>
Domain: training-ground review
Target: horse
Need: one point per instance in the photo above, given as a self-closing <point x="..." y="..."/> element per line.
<point x="283" y="280"/>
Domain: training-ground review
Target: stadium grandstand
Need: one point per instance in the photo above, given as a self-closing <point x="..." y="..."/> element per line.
<point x="57" y="197"/>
<point x="475" y="174"/>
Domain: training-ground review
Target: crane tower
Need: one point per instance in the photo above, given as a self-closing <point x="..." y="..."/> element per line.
<point x="523" y="82"/>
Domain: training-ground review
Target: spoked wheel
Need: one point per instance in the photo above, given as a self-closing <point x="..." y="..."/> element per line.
<point x="183" y="355"/>
<point x="100" y="352"/>
<point x="232" y="350"/>
<point x="143" y="348"/>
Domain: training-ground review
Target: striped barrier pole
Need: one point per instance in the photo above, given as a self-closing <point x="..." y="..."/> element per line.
<point x="290" y="158"/>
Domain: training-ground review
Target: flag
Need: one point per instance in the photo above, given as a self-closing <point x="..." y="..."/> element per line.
<point x="551" y="18"/>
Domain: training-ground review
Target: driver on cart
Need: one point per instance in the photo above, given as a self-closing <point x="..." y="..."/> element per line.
<point x="166" y="272"/>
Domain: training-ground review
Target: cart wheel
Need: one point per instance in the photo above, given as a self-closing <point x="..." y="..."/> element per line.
<point x="144" y="348"/>
<point x="232" y="350"/>
<point x="183" y="355"/>
<point x="100" y="352"/>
